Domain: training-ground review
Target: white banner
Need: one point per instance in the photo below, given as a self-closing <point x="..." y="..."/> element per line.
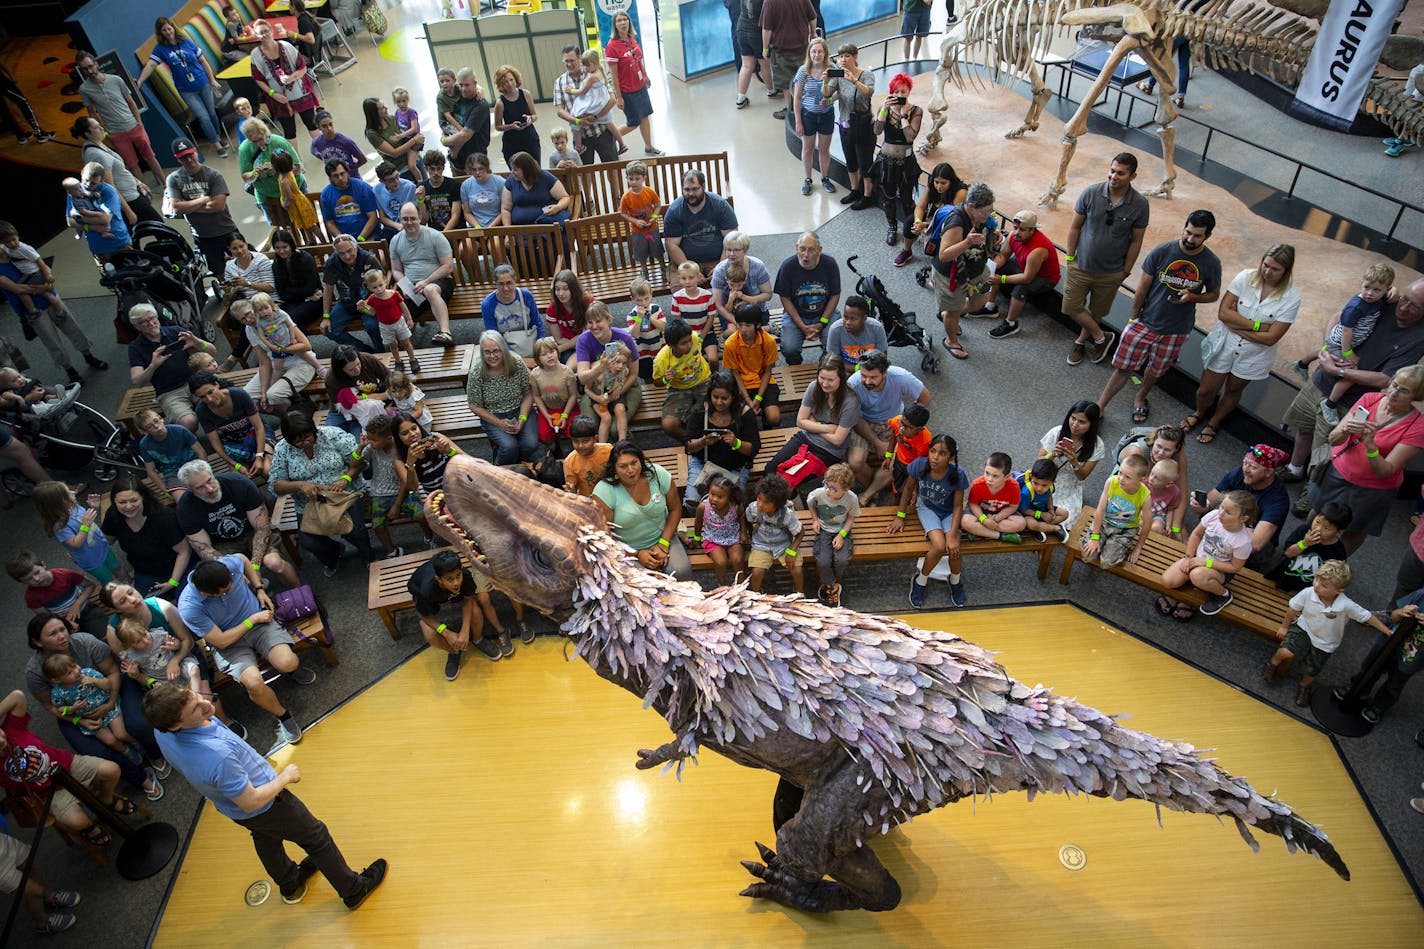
<point x="1346" y="50"/>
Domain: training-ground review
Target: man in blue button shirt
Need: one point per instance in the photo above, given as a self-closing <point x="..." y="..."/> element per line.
<point x="244" y="787"/>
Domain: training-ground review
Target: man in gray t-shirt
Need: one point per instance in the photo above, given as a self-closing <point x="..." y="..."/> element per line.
<point x="109" y="100"/>
<point x="422" y="255"/>
<point x="200" y="194"/>
<point x="856" y="334"/>
<point x="1109" y="221"/>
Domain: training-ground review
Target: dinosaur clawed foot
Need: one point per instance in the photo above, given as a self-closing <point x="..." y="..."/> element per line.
<point x="781" y="886"/>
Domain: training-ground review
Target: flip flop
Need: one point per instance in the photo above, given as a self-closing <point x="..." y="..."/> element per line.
<point x="1208" y="435"/>
<point x="1189" y="423"/>
<point x="957" y="351"/>
<point x="1140" y="413"/>
<point x="1165" y="605"/>
<point x="1183" y="613"/>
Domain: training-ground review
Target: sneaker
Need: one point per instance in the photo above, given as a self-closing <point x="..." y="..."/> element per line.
<point x="489" y="649"/>
<point x="863" y="202"/>
<point x="238" y="729"/>
<point x="851" y="196"/>
<point x="161" y="769"/>
<point x="56" y="923"/>
<point x="622" y="149"/>
<point x="1268" y="672"/>
<point x="370" y="878"/>
<point x="506" y="645"/>
<point x="305" y="871"/>
<point x="1101" y="350"/>
<point x="1370" y="714"/>
<point x="1301" y="369"/>
<point x="526" y="632"/>
<point x="1393" y="141"/>
<point x="398" y="365"/>
<point x="222" y="151"/>
<point x="63" y="899"/>
<point x="414" y="366"/>
<point x="833" y="595"/>
<point x="829" y="185"/>
<point x="772" y="93"/>
<point x="989" y="309"/>
<point x="23" y="138"/>
<point x="302" y="676"/>
<point x="654" y="152"/>
<point x="1417" y="803"/>
<point x="395" y="552"/>
<point x="1062" y="533"/>
<point x="1011" y="538"/>
<point x="952" y="20"/>
<point x="452" y="667"/>
<point x="1399" y="148"/>
<point x="1329" y="412"/>
<point x="904" y="257"/>
<point x="892" y="235"/>
<point x="289" y="731"/>
<point x="1004" y="330"/>
<point x="1077" y="354"/>
<point x="806" y="186"/>
<point x="155" y="789"/>
<point x="43" y="137"/>
<point x="823" y="595"/>
<point x="917" y="590"/>
<point x="73" y="374"/>
<point x="1215" y="604"/>
<point x="743" y="102"/>
<point x="957" y="595"/>
<point x="1302" y="695"/>
<point x="779" y="114"/>
<point x="1339" y="692"/>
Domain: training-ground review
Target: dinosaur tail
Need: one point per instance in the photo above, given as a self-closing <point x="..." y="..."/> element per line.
<point x="1094" y="754"/>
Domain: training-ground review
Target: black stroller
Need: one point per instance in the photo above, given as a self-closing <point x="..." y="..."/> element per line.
<point x="71" y="440"/>
<point x="161" y="269"/>
<point x="901" y="328"/>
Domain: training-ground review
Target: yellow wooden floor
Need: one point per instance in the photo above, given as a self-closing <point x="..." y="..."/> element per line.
<point x="511" y="814"/>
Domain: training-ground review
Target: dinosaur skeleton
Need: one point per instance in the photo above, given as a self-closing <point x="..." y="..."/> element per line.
<point x="1010" y="37"/>
<point x="867" y="720"/>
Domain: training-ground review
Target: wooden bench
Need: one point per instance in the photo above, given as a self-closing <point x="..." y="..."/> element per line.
<point x="386" y="593"/>
<point x="598" y="188"/>
<point x="603" y="258"/>
<point x="309" y="633"/>
<point x="535" y="251"/>
<point x="873" y="543"/>
<point x="440" y="368"/>
<point x="1256" y="602"/>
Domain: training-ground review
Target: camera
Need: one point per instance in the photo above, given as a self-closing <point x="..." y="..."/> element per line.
<point x="173" y="347"/>
<point x="894" y="100"/>
<point x="835" y="72"/>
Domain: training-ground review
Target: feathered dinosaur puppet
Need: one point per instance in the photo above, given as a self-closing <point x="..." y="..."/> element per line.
<point x="868" y="720"/>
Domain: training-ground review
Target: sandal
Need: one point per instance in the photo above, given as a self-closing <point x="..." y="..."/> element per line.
<point x="97" y="836"/>
<point x="1189" y="423"/>
<point x="443" y="339"/>
<point x="122" y="806"/>
<point x="955" y="350"/>
<point x="1140" y="413"/>
<point x="1208" y="435"/>
<point x="1183" y="613"/>
<point x="1165" y="605"/>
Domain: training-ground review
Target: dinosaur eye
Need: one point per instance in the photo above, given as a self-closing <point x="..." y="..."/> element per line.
<point x="540" y="561"/>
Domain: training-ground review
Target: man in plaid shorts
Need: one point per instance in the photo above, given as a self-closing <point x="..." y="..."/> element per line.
<point x="1177" y="276"/>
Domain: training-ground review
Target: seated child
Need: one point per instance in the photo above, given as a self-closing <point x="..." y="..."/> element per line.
<point x="407" y="120"/>
<point x="274" y="326"/>
<point x="165" y="448"/>
<point x="1036" y="505"/>
<point x="1309" y="546"/>
<point x="1119" y="529"/>
<point x="388" y="485"/>
<point x="776" y="533"/>
<point x="834" y="508"/>
<point x="561" y="151"/>
<point x="203" y="361"/>
<point x="1164" y="493"/>
<point x="912" y="440"/>
<point x="585" y="465"/>
<point x="681" y="366"/>
<point x="639" y="207"/>
<point x="1216" y="551"/>
<point x="994" y="503"/>
<point x="751" y="355"/>
<point x="21" y="395"/>
<point x="935" y="484"/>
<point x="692" y="303"/>
<point x="591" y="98"/>
<point x="719" y="526"/>
<point x="355" y="406"/>
<point x="146" y="657"/>
<point x="737" y="295"/>
<point x="555" y="390"/>
<point x="609" y="390"/>
<point x="75" y="690"/>
<point x="405" y="396"/>
<point x="34" y="272"/>
<point x="1314" y="626"/>
<point x="1357" y="322"/>
<point x="393" y="315"/>
<point x="646" y="323"/>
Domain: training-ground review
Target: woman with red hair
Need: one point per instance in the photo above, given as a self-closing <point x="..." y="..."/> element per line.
<point x="897" y="171"/>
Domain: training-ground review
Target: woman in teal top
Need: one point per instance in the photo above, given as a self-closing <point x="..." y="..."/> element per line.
<point x="160" y="616"/>
<point x="640" y="498"/>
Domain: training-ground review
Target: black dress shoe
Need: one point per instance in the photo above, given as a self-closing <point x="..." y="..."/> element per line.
<point x="95" y="361"/>
<point x="851" y="197"/>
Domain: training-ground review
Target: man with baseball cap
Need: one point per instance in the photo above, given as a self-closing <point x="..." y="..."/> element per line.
<point x="1027" y="266"/>
<point x="1257" y="475"/>
<point x="200" y="193"/>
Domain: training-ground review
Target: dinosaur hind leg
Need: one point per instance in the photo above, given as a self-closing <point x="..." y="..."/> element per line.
<point x="785" y="803"/>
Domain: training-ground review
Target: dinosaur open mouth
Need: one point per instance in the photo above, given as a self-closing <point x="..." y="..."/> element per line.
<point x="451" y="528"/>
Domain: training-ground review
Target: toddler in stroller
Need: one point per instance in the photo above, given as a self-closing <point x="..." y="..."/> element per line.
<point x="21" y="395"/>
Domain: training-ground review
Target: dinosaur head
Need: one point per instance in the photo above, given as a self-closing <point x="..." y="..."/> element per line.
<point x="521" y="534"/>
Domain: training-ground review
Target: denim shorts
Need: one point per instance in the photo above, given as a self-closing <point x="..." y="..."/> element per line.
<point x="818" y="123"/>
<point x="915" y="24"/>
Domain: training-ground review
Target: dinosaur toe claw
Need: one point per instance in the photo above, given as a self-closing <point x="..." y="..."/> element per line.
<point x="767" y="854"/>
<point x="754" y="868"/>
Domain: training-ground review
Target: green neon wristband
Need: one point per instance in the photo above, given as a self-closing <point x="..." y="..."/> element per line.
<point x="757" y="397"/>
<point x="1038" y="515"/>
<point x="1348" y="352"/>
<point x="790" y="552"/>
<point x="665" y="543"/>
<point x="1301" y="545"/>
<point x="75" y="720"/>
<point x="842" y="533"/>
<point x="247" y="623"/>
<point x="1210" y="563"/>
<point x="983" y="518"/>
<point x="84" y="528"/>
<point x="453" y="453"/>
<point x="736" y="444"/>
<point x="440" y="628"/>
<point x="1372" y="453"/>
<point x="901" y="514"/>
<point x="1256" y="326"/>
<point x="890" y="454"/>
<point x="523" y="418"/>
<point x="1069" y="257"/>
<point x="357" y="455"/>
<point x="1176" y="530"/>
<point x="825" y="320"/>
<point x="172" y="582"/>
<point x="346" y="478"/>
<point x="1095" y="537"/>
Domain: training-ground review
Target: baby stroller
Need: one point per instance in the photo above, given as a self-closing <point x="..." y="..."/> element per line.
<point x="901" y="329"/>
<point x="161" y="269"/>
<point x="71" y="440"/>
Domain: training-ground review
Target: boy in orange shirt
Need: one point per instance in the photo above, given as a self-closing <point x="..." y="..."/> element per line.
<point x="751" y="353"/>
<point x="912" y="440"/>
<point x="587" y="463"/>
<point x="639" y="208"/>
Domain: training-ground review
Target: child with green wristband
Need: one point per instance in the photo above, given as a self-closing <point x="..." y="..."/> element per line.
<point x="1216" y="551"/>
<point x="834" y="508"/>
<point x="1123" y="518"/>
<point x="776" y="533"/>
<point x="1357" y="322"/>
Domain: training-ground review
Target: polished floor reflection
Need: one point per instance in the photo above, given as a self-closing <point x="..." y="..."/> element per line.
<point x="510" y="811"/>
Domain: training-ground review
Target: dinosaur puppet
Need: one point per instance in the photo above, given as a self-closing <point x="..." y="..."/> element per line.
<point x="867" y="720"/>
<point x="1272" y="39"/>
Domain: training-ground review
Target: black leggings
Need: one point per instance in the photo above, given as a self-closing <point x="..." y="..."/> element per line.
<point x="10" y="91"/>
<point x="897" y="180"/>
<point x="289" y="123"/>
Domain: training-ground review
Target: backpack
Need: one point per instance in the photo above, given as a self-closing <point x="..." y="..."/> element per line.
<point x="970" y="264"/>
